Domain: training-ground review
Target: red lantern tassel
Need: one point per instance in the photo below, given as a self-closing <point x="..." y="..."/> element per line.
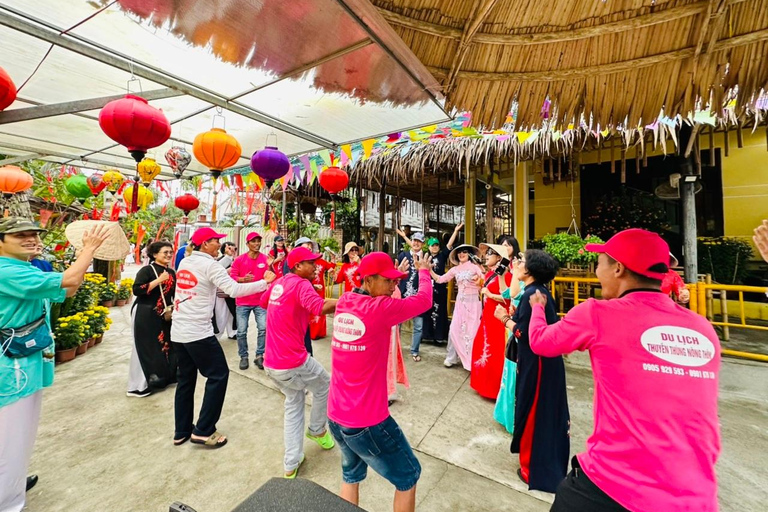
<point x="333" y="218"/>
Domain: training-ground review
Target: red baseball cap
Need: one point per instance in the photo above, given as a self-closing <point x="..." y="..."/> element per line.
<point x="251" y="236"/>
<point x="204" y="234"/>
<point x="637" y="249"/>
<point x="379" y="263"/>
<point x="300" y="254"/>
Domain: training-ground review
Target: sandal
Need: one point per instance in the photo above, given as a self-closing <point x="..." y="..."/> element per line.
<point x="181" y="441"/>
<point x="215" y="440"/>
<point x="416" y="358"/>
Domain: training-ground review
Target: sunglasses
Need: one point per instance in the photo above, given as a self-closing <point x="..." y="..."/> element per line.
<point x="464" y="251"/>
<point x="491" y="252"/>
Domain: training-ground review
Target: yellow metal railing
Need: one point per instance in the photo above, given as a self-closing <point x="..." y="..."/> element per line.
<point x="575" y="290"/>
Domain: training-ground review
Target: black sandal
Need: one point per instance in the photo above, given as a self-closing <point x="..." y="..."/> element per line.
<point x="416" y="358"/>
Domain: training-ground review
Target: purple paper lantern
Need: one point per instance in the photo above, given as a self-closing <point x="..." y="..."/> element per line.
<point x="270" y="164"/>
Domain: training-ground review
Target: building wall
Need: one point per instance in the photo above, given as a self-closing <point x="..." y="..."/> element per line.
<point x="745" y="187"/>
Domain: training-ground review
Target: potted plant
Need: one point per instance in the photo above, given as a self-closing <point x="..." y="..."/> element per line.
<point x="98" y="323"/>
<point x="107" y="294"/>
<point x="569" y="250"/>
<point x="69" y="334"/>
<point x="86" y="295"/>
<point x="124" y="291"/>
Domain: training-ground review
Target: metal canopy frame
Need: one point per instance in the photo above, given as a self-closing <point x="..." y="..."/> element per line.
<point x="22" y="147"/>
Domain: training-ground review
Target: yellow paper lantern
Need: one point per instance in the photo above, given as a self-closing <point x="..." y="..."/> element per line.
<point x="148" y="169"/>
<point x="144" y="198"/>
<point x="114" y="180"/>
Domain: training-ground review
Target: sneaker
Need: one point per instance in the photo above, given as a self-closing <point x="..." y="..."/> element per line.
<point x="259" y="361"/>
<point x="325" y="441"/>
<point x="243" y="363"/>
<point x="292" y="475"/>
<point x="139" y="394"/>
<point x="448" y="364"/>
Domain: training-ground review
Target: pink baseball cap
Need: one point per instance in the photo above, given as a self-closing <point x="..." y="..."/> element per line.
<point x="300" y="254"/>
<point x="641" y="251"/>
<point x="204" y="234"/>
<point x="379" y="263"/>
<point x="251" y="236"/>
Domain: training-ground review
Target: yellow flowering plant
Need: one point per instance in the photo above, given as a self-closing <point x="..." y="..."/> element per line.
<point x="98" y="320"/>
<point x="125" y="290"/>
<point x="71" y="331"/>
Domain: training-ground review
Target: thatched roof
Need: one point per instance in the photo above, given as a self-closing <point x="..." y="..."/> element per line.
<point x="616" y="60"/>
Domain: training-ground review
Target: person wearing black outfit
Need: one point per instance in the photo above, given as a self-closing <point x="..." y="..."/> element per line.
<point x="154" y="289"/>
<point x="436" y="321"/>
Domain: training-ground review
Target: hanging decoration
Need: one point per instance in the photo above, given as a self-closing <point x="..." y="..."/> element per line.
<point x="114" y="180"/>
<point x="217" y="150"/>
<point x="143" y="198"/>
<point x="270" y="164"/>
<point x="13" y="180"/>
<point x="77" y="185"/>
<point x="96" y="183"/>
<point x="148" y="169"/>
<point x="333" y="180"/>
<point x="178" y="159"/>
<point x="186" y="203"/>
<point x="7" y="90"/>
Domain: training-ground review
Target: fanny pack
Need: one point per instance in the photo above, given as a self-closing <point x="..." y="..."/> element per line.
<point x="28" y="339"/>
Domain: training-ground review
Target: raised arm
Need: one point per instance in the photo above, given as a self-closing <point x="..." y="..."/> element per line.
<point x="575" y="331"/>
<point x="403" y="236"/>
<point x="445" y="277"/>
<point x="455" y="234"/>
<point x="74" y="275"/>
<point x="219" y="277"/>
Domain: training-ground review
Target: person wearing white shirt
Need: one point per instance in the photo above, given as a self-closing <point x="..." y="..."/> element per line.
<point x="198" y="278"/>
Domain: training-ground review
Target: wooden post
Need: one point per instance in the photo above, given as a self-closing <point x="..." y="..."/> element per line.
<point x="470" y="193"/>
<point x="382" y="213"/>
<point x="358" y="222"/>
<point x="688" y="196"/>
<point x="521" y="204"/>
<point x="489" y="234"/>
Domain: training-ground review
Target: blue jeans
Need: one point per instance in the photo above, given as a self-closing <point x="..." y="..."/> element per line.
<point x="260" y="314"/>
<point x="418" y="330"/>
<point x="382" y="447"/>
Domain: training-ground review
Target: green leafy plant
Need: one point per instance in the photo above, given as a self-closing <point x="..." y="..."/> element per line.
<point x="107" y="292"/>
<point x="86" y="295"/>
<point x="71" y="331"/>
<point x="566" y="248"/>
<point x="725" y="258"/>
<point x="330" y="243"/>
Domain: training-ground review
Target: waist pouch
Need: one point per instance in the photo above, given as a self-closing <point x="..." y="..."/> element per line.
<point x="26" y="340"/>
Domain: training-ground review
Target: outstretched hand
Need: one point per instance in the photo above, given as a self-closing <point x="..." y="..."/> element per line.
<point x="404" y="265"/>
<point x="269" y="276"/>
<point x="538" y="298"/>
<point x="422" y="261"/>
<point x="761" y="239"/>
<point x="458" y="227"/>
<point x="93" y="238"/>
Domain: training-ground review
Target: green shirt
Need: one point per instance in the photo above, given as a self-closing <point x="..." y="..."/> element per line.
<point x="24" y="290"/>
<point x="507" y="294"/>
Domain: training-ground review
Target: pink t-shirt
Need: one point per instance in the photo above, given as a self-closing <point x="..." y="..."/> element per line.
<point x="359" y="352"/>
<point x="244" y="264"/>
<point x="292" y="302"/>
<point x="656" y="367"/>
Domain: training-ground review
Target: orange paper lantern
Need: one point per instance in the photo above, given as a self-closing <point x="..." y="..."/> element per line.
<point x="14" y="180"/>
<point x="217" y="150"/>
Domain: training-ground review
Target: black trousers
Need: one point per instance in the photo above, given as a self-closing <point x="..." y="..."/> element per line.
<point x="577" y="493"/>
<point x="207" y="357"/>
<point x="308" y="343"/>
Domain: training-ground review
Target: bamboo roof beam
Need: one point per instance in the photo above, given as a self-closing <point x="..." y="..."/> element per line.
<point x="480" y="11"/>
<point x="558" y="36"/>
<point x="604" y="69"/>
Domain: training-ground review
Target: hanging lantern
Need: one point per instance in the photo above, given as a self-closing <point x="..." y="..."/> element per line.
<point x="14" y="180"/>
<point x="148" y="169"/>
<point x="114" y="180"/>
<point x="334" y="180"/>
<point x="217" y="150"/>
<point x="270" y="164"/>
<point x="7" y="90"/>
<point x="77" y="185"/>
<point x="144" y="198"/>
<point x="178" y="158"/>
<point x="135" y="124"/>
<point x="96" y="183"/>
<point x="186" y="203"/>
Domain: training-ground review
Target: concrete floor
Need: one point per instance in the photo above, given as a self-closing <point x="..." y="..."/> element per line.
<point x="99" y="450"/>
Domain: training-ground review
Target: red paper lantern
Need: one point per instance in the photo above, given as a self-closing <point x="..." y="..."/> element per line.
<point x="135" y="124"/>
<point x="334" y="180"/>
<point x="7" y="90"/>
<point x="186" y="203"/>
<point x="96" y="183"/>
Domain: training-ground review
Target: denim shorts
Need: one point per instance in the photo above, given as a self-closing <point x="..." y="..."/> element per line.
<point x="382" y="447"/>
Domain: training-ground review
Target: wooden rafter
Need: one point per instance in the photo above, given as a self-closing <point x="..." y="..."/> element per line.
<point x="558" y="36"/>
<point x="605" y="69"/>
<point x="710" y="28"/>
<point x="480" y="11"/>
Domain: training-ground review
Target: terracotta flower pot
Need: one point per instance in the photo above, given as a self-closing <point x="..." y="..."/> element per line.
<point x="121" y="302"/>
<point x="107" y="303"/>
<point x="62" y="356"/>
<point x="91" y="342"/>
<point x="82" y="349"/>
<point x="98" y="339"/>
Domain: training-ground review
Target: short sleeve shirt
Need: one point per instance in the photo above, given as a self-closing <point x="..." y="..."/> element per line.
<point x="24" y="290"/>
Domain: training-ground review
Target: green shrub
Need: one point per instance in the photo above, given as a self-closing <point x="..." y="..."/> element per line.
<point x="725" y="258"/>
<point x="566" y="248"/>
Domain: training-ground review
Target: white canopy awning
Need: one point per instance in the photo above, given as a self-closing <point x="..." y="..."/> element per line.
<point x="317" y="73"/>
